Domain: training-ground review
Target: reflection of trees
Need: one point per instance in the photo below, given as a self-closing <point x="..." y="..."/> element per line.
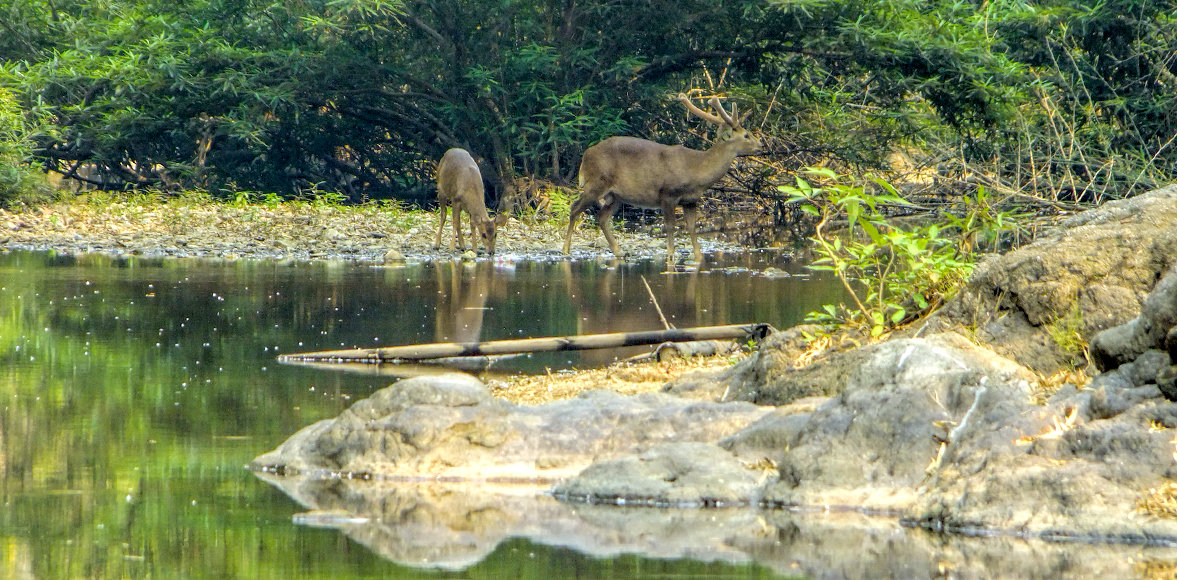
<point x="108" y="438"/>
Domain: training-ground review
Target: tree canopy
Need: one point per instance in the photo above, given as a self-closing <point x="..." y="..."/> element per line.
<point x="359" y="97"/>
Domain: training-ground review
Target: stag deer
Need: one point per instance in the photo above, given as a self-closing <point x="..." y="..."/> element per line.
<point x="459" y="186"/>
<point x="648" y="174"/>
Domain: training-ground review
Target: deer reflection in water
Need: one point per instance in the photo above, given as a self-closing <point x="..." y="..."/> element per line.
<point x="463" y="289"/>
<point x="607" y="300"/>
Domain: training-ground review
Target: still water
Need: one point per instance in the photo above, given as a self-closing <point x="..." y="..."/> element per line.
<point x="134" y="391"/>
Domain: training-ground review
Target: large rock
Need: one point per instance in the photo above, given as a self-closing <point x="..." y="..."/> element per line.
<point x="1099" y="264"/>
<point x="450" y="427"/>
<point x="943" y="433"/>
<point x="1157" y="320"/>
<point x="935" y="430"/>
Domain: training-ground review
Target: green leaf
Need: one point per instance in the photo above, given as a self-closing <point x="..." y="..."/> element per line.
<point x="853" y="209"/>
<point x="872" y="231"/>
<point x="822" y="172"/>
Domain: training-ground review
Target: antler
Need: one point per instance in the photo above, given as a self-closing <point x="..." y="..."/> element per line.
<point x="715" y="104"/>
<point x="723" y="119"/>
<point x="696" y="111"/>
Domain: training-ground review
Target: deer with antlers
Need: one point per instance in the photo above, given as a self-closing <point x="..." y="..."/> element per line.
<point x="647" y="174"/>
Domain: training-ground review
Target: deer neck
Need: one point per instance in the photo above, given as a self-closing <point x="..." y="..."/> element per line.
<point x="478" y="213"/>
<point x="717" y="160"/>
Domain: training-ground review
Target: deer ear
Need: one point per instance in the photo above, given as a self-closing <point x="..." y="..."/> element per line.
<point x="501" y="219"/>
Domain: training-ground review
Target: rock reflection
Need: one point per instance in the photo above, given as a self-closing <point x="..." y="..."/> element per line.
<point x="456" y="526"/>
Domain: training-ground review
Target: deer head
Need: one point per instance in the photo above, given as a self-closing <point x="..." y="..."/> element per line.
<point x="732" y="134"/>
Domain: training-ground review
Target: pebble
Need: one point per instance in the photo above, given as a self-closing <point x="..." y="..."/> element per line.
<point x="394" y="257"/>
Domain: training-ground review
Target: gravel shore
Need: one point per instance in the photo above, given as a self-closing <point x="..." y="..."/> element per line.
<point x="298" y="231"/>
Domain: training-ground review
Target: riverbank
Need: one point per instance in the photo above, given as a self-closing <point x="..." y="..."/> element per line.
<point x="953" y="425"/>
<point x="186" y="228"/>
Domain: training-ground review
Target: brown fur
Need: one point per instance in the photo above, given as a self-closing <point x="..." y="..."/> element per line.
<point x="459" y="186"/>
<point x="648" y="174"/>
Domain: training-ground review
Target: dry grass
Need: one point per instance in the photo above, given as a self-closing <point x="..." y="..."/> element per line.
<point x="1160" y="502"/>
<point x="1047" y="387"/>
<point x="623" y="377"/>
<point x="1156" y="569"/>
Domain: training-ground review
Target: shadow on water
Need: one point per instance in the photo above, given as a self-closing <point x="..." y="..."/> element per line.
<point x="134" y="390"/>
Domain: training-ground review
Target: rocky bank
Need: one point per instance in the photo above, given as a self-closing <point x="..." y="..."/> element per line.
<point x="972" y="422"/>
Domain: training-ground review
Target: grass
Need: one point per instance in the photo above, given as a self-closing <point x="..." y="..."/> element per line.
<point x="1066" y="332"/>
<point x="623" y="377"/>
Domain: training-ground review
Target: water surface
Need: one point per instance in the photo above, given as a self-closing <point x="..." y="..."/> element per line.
<point x="135" y="390"/>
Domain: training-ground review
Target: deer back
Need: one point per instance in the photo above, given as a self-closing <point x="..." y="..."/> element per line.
<point x="646" y="173"/>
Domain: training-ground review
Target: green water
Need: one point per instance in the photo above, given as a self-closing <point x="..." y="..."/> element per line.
<point x="134" y="390"/>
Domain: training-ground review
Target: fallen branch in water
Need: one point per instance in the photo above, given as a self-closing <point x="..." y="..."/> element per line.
<point x="548" y="344"/>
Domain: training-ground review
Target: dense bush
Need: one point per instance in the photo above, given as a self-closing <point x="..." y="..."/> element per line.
<point x="1047" y="97"/>
<point x="18" y="182"/>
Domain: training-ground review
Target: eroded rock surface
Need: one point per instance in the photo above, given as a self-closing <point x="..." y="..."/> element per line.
<point x="1149" y="331"/>
<point x="450" y="427"/>
<point x="1091" y="273"/>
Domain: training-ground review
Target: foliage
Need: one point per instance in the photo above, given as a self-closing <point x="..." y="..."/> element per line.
<point x="17" y="181"/>
<point x="355" y="97"/>
<point x="982" y="226"/>
<point x="893" y="275"/>
<point x="1049" y="98"/>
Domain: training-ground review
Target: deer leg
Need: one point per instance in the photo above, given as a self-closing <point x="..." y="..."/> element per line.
<point x="605" y="221"/>
<point x="458" y="229"/>
<point x="669" y="217"/>
<point x="474" y="234"/>
<point x="574" y="212"/>
<point x="440" y="225"/>
<point x="691" y="215"/>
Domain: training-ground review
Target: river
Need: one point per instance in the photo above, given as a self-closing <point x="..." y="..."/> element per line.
<point x="135" y="390"/>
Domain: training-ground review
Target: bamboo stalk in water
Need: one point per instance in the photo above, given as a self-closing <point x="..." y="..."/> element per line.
<point x="390" y="354"/>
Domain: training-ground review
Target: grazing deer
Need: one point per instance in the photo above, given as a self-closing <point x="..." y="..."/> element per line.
<point x="459" y="186"/>
<point x="648" y="174"/>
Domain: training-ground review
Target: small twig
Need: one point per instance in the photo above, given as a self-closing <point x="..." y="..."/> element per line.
<point x="656" y="307"/>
